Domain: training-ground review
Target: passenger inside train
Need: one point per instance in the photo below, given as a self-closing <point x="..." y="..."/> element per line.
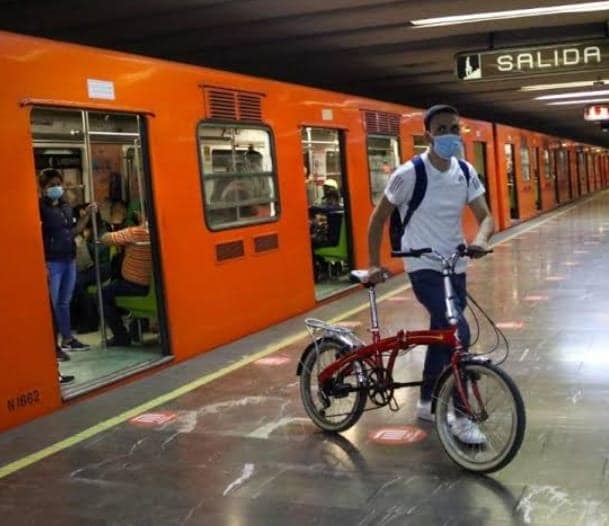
<point x="106" y="170"/>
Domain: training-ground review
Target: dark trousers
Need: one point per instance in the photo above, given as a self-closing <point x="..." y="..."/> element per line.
<point x="112" y="314"/>
<point x="428" y="287"/>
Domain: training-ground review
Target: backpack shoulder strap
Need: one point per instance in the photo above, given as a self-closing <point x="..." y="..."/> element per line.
<point x="465" y="170"/>
<point x="420" y="186"/>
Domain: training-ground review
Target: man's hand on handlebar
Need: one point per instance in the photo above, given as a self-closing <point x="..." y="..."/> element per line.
<point x="478" y="249"/>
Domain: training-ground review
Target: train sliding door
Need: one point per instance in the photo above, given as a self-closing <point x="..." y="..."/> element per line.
<point x="328" y="209"/>
<point x="113" y="309"/>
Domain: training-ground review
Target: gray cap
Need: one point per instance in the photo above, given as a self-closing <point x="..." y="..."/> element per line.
<point x="438" y="108"/>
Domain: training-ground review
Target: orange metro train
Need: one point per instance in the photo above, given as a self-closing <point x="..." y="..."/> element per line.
<point x="233" y="174"/>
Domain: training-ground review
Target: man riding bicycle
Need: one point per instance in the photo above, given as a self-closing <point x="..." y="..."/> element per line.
<point x="449" y="186"/>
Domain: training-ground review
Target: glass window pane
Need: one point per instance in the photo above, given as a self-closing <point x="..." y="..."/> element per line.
<point x="51" y="124"/>
<point x="383" y="158"/>
<point x="322" y="158"/>
<point x="420" y="144"/>
<point x="546" y="164"/>
<point x="239" y="181"/>
<point x="524" y="161"/>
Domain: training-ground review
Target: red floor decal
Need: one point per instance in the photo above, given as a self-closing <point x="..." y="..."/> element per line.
<point x="510" y="324"/>
<point x="349" y="324"/>
<point x="153" y="419"/>
<point x="272" y="360"/>
<point x="396" y="435"/>
<point x="535" y="297"/>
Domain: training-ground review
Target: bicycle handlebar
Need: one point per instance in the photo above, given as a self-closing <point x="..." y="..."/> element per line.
<point x="462" y="251"/>
<point x="414" y="253"/>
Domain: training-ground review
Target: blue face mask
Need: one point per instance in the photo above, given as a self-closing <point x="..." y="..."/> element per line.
<point x="54" y="192"/>
<point x="447" y="146"/>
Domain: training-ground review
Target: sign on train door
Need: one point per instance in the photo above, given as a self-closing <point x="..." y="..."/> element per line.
<point x="328" y="209"/>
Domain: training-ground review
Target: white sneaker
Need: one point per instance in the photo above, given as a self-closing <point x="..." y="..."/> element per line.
<point x="468" y="432"/>
<point x="424" y="410"/>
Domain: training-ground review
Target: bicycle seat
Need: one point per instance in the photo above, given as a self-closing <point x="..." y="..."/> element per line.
<point x="359" y="276"/>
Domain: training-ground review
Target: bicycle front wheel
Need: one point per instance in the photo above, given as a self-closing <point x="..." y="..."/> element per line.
<point x="486" y="438"/>
<point x="340" y="406"/>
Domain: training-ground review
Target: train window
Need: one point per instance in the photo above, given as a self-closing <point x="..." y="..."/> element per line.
<point x="547" y="172"/>
<point x="383" y="158"/>
<point x="420" y="144"/>
<point x="52" y="124"/>
<point x="239" y="179"/>
<point x="525" y="163"/>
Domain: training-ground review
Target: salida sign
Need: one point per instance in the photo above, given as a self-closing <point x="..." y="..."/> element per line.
<point x="541" y="60"/>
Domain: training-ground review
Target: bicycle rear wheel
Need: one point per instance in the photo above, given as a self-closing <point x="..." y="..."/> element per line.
<point x="487" y="439"/>
<point x="339" y="406"/>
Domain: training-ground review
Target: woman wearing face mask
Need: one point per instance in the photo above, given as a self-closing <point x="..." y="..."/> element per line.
<point x="58" y="231"/>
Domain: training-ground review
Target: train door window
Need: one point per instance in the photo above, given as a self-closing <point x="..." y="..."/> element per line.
<point x="554" y="174"/>
<point x="481" y="167"/>
<point x="566" y="162"/>
<point x="588" y="172"/>
<point x="525" y="165"/>
<point x="510" y="170"/>
<point x="581" y="172"/>
<point x="383" y="159"/>
<point x="328" y="209"/>
<point x="238" y="175"/>
<point x="420" y="144"/>
<point x="537" y="179"/>
<point x="99" y="158"/>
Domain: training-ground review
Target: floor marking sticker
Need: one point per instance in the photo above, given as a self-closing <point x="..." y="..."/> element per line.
<point x="348" y="324"/>
<point x="397" y="435"/>
<point x="158" y="418"/>
<point x="510" y="325"/>
<point x="272" y="360"/>
<point x="536" y="297"/>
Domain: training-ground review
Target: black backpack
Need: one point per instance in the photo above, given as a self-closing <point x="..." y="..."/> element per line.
<point x="396" y="224"/>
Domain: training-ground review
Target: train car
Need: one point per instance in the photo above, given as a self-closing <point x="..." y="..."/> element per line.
<point x="254" y="196"/>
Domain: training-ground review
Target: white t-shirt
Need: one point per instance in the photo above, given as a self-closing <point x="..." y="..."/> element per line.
<point x="437" y="222"/>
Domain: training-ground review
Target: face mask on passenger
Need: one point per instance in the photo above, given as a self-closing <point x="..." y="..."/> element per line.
<point x="447" y="146"/>
<point x="54" y="192"/>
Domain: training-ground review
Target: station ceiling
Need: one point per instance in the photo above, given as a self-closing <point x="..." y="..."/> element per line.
<point x="364" y="47"/>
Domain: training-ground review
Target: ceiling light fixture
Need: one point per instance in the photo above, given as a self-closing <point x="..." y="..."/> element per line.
<point x="582" y="101"/>
<point x="565" y="85"/>
<point x="574" y="95"/>
<point x="569" y="9"/>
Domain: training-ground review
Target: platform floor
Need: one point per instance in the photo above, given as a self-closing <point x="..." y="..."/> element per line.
<point x="224" y="439"/>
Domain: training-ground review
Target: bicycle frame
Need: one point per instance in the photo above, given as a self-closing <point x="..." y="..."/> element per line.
<point x="373" y="354"/>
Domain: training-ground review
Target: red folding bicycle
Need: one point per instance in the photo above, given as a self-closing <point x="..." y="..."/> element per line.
<point x="339" y="373"/>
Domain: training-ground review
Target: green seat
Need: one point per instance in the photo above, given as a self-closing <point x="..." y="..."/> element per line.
<point x="140" y="306"/>
<point x="339" y="253"/>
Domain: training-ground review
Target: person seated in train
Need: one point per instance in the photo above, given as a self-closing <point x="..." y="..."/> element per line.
<point x="85" y="316"/>
<point x="136" y="274"/>
<point x="331" y="195"/>
<point x="58" y="231"/>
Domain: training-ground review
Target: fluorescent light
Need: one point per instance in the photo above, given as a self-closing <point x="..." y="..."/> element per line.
<point x="574" y="95"/>
<point x="565" y="85"/>
<point x="586" y="7"/>
<point x="582" y="101"/>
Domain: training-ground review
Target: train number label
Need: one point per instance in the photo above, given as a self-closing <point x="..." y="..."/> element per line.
<point x="23" y="400"/>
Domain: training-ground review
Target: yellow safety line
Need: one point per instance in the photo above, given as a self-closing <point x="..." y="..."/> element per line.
<point x="28" y="460"/>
